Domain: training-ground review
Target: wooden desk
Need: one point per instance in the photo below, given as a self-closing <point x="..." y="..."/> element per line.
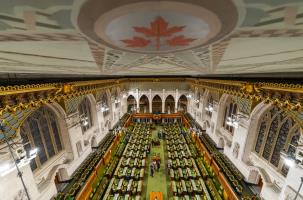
<point x="154" y="195"/>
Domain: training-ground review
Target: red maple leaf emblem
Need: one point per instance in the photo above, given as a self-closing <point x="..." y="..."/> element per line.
<point x="179" y="41"/>
<point x="158" y="28"/>
<point x="136" y="42"/>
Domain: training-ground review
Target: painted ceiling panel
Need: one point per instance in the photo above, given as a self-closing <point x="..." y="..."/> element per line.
<point x="139" y="37"/>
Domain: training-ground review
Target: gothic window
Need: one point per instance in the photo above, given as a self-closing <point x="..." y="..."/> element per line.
<point x="41" y="130"/>
<point x="105" y="105"/>
<point x="277" y="132"/>
<point x="260" y="135"/>
<point x="210" y="103"/>
<point x="230" y="112"/>
<point x="85" y="114"/>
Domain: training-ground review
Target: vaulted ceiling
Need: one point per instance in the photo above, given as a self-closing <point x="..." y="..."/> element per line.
<point x="138" y="37"/>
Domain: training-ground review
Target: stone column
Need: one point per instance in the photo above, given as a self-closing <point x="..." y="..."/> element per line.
<point x="150" y="101"/>
<point x="176" y="100"/>
<point x="163" y="101"/>
<point x="138" y="100"/>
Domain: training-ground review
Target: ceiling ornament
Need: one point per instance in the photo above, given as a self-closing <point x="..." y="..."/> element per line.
<point x="161" y="33"/>
<point x="153" y="27"/>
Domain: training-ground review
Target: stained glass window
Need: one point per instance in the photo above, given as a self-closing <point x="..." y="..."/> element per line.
<point x="277" y="132"/>
<point x="41" y="130"/>
<point x="85" y="114"/>
<point x="230" y="111"/>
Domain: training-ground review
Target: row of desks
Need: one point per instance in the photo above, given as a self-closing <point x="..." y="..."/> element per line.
<point x="192" y="186"/>
<point x="130" y="172"/>
<point x="123" y="186"/>
<point x="186" y="173"/>
<point x="179" y="154"/>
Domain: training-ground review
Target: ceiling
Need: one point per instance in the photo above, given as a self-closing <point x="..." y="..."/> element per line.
<point x="138" y="37"/>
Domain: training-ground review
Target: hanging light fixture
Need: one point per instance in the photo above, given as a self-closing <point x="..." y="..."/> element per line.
<point x="234" y="120"/>
<point x="84" y="120"/>
<point x="104" y="108"/>
<point x="210" y="107"/>
<point x="117" y="100"/>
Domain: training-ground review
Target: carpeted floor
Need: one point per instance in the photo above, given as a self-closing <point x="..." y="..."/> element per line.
<point x="158" y="183"/>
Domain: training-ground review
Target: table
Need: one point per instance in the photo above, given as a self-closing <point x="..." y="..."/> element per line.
<point x="156" y="195"/>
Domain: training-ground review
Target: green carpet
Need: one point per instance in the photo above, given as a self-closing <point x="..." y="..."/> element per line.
<point x="158" y="183"/>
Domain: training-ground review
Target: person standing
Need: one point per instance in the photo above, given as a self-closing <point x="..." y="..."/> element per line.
<point x="152" y="170"/>
<point x="158" y="165"/>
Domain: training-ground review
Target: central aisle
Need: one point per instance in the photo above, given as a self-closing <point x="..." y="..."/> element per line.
<point x="157" y="183"/>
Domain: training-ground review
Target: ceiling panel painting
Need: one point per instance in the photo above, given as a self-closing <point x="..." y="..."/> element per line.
<point x="140" y="37"/>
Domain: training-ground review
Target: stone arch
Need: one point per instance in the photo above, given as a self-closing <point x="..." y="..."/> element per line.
<point x="226" y="108"/>
<point x="105" y="103"/>
<point x="88" y="112"/>
<point x="255" y="118"/>
<point x="183" y="103"/>
<point x="169" y="105"/>
<point x="52" y="128"/>
<point x="144" y="104"/>
<point x="157" y="104"/>
<point x="131" y="103"/>
<point x="93" y="104"/>
<point x="61" y="170"/>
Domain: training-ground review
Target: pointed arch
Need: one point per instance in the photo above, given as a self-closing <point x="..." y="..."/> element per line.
<point x="43" y="129"/>
<point x="169" y="106"/>
<point x="131" y="103"/>
<point x="157" y="104"/>
<point x="276" y="132"/>
<point x="144" y="104"/>
<point x="182" y="103"/>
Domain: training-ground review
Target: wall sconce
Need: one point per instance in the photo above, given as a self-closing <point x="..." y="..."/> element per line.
<point x="104" y="108"/>
<point x="117" y="101"/>
<point x="210" y="107"/>
<point x="83" y="120"/>
<point x="234" y="120"/>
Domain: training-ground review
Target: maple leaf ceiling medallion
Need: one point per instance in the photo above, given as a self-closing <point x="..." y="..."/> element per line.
<point x="158" y="30"/>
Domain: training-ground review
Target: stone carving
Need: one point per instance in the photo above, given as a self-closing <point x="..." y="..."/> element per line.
<point x="236" y="150"/>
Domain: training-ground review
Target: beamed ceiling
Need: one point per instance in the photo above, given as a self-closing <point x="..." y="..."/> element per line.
<point x="138" y="37"/>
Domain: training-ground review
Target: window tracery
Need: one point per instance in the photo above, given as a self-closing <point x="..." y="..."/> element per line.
<point x="85" y="114"/>
<point x="230" y="110"/>
<point x="277" y="132"/>
<point x="41" y="130"/>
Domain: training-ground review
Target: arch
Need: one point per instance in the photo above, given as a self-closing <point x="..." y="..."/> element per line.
<point x="43" y="129"/>
<point x="227" y="108"/>
<point x="255" y="115"/>
<point x="198" y="98"/>
<point x="86" y="113"/>
<point x="105" y="104"/>
<point x="157" y="104"/>
<point x="131" y="103"/>
<point x="208" y="103"/>
<point x="169" y="104"/>
<point x="274" y="131"/>
<point x="144" y="104"/>
<point x="182" y="103"/>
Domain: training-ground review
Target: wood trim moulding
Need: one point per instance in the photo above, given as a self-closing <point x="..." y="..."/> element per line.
<point x="284" y="96"/>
